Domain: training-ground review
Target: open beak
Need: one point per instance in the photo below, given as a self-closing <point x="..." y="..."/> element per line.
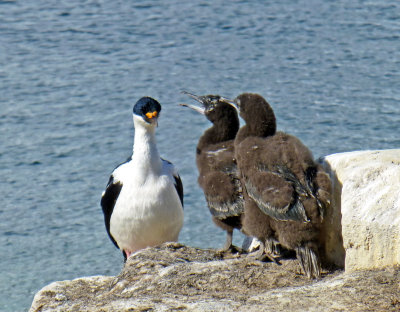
<point x="206" y="100"/>
<point x="198" y="109"/>
<point x="199" y="99"/>
<point x="194" y="96"/>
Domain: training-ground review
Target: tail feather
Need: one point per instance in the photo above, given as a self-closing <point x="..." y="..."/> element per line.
<point x="309" y="261"/>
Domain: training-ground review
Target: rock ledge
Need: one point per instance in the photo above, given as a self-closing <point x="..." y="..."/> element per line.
<point x="175" y="277"/>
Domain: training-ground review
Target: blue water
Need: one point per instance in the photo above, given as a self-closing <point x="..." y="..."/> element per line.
<point x="70" y="72"/>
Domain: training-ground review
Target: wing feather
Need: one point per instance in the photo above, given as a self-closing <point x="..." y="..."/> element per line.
<point x="108" y="200"/>
<point x="179" y="187"/>
<point x="278" y="194"/>
<point x="177" y="179"/>
<point x="223" y="194"/>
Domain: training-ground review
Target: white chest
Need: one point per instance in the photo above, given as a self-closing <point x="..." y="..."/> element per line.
<point x="148" y="211"/>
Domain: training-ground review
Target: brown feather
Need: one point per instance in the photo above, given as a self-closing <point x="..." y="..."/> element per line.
<point x="282" y="175"/>
<point x="215" y="159"/>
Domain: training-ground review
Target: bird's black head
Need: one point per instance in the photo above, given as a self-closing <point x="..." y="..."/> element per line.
<point x="147" y="108"/>
<point x="218" y="108"/>
<point x="257" y="113"/>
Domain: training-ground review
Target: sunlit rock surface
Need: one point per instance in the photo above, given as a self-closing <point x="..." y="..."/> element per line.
<point x="366" y="205"/>
<point x="174" y="277"/>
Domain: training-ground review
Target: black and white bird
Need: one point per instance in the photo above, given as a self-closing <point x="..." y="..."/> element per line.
<point x="143" y="201"/>
<point x="286" y="190"/>
<point x="217" y="165"/>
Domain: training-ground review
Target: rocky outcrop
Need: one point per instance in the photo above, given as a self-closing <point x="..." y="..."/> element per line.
<point x="362" y="230"/>
<point x="174" y="277"/>
<point x="366" y="207"/>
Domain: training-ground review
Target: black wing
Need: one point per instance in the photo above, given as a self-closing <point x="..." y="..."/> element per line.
<point x="179" y="187"/>
<point x="178" y="182"/>
<point x="108" y="201"/>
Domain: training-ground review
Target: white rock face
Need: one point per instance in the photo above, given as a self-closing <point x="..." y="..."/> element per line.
<point x="367" y="202"/>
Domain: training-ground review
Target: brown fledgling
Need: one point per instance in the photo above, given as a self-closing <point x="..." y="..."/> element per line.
<point x="286" y="191"/>
<point x="217" y="165"/>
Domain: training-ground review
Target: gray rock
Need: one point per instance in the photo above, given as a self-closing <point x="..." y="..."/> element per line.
<point x="174" y="277"/>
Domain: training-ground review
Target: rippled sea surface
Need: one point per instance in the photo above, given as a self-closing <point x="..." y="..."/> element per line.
<point x="70" y="72"/>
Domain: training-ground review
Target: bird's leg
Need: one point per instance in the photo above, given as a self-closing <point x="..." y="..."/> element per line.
<point x="228" y="243"/>
<point x="264" y="253"/>
<point x="271" y="250"/>
<point x="272" y="247"/>
<point x="127" y="254"/>
<point x="258" y="254"/>
<point x="228" y="246"/>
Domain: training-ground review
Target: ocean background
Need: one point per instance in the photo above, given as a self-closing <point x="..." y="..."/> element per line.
<point x="70" y="72"/>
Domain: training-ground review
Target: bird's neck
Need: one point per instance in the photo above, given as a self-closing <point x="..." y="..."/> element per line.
<point x="251" y="130"/>
<point x="263" y="128"/>
<point x="258" y="125"/>
<point x="260" y="119"/>
<point x="145" y="152"/>
<point x="218" y="133"/>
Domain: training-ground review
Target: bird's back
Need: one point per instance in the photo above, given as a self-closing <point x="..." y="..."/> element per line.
<point x="269" y="152"/>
